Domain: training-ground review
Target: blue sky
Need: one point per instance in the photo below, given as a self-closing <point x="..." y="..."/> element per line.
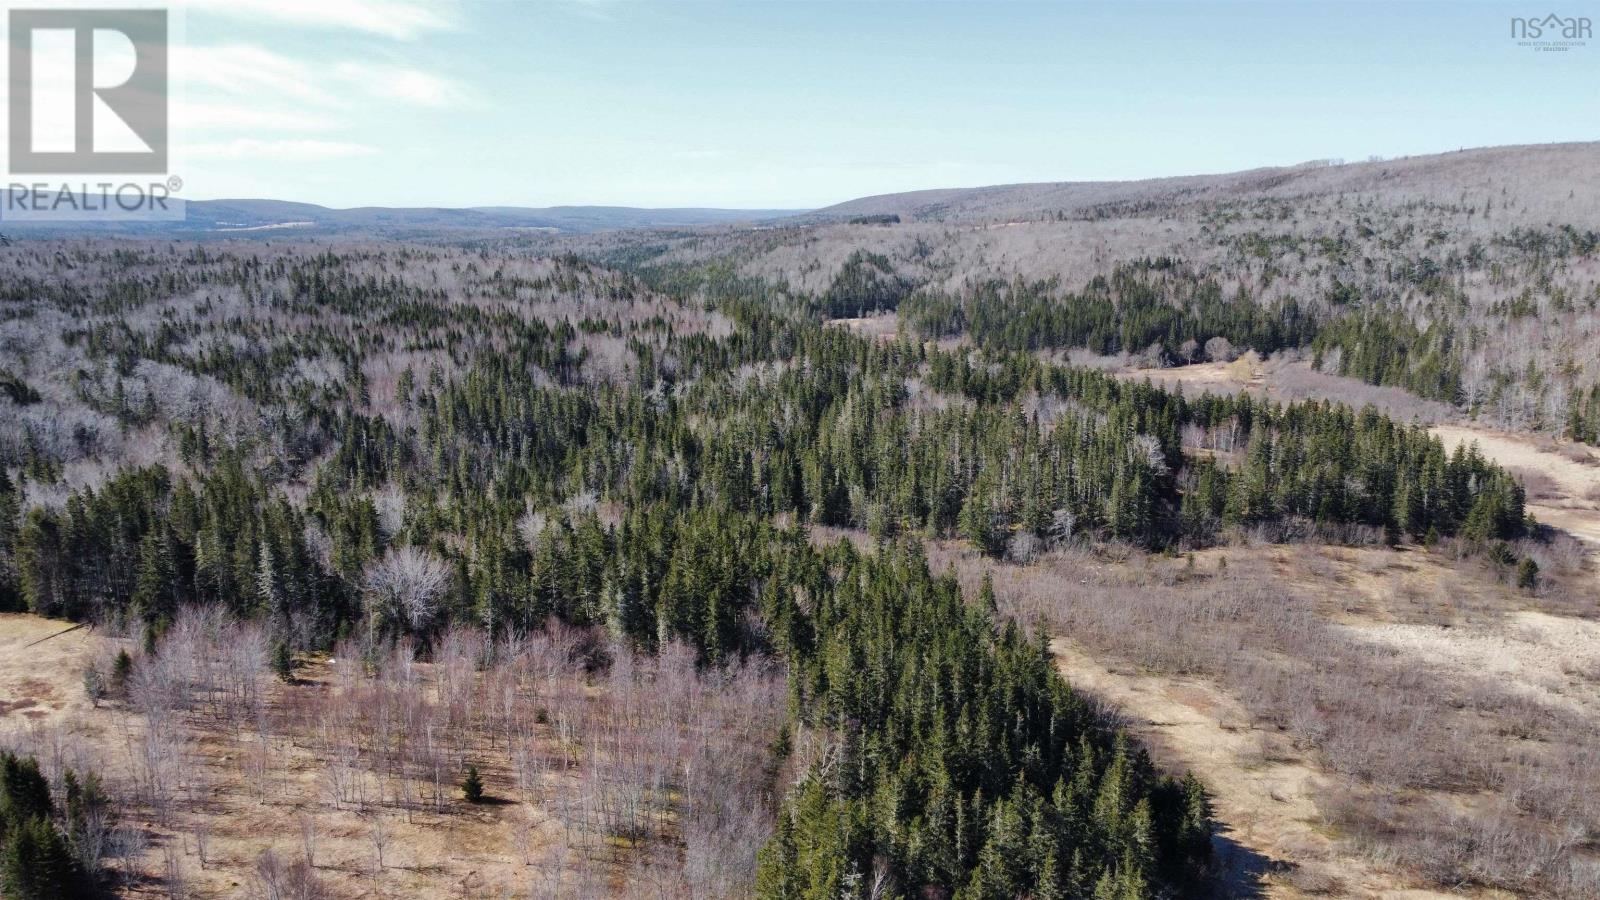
<point x="800" y="104"/>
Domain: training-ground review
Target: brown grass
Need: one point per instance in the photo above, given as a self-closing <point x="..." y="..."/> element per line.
<point x="42" y="683"/>
<point x="1409" y="697"/>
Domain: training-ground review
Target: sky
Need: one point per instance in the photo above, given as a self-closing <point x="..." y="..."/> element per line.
<point x="799" y="104"/>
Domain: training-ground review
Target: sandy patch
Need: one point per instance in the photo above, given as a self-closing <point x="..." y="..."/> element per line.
<point x="1554" y="660"/>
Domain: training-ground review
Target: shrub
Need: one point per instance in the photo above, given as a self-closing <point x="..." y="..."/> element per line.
<point x="1501" y="555"/>
<point x="94" y="684"/>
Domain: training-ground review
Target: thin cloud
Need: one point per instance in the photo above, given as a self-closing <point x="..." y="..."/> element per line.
<point x="249" y="71"/>
<point x="402" y="20"/>
<point x="295" y="150"/>
<point x="241" y="116"/>
<point x="407" y="85"/>
<point x="249" y="87"/>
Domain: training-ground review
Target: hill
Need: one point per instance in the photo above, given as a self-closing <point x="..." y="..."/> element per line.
<point x="244" y="216"/>
<point x="1544" y="177"/>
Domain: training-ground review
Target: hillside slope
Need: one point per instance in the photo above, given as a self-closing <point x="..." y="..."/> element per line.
<point x="1544" y="178"/>
<point x="1471" y="278"/>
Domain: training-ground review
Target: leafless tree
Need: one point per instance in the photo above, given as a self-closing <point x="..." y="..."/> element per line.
<point x="172" y="863"/>
<point x="202" y="838"/>
<point x="277" y="879"/>
<point x="1023" y="547"/>
<point x="404" y="587"/>
<point x="308" y="837"/>
<point x="390" y="504"/>
<point x="1220" y="349"/>
<point x="1188" y="350"/>
<point x="523" y="833"/>
<point x="378" y="831"/>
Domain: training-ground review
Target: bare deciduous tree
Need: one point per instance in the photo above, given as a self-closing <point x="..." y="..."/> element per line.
<point x="378" y="830"/>
<point x="1219" y="349"/>
<point x="404" y="587"/>
<point x="202" y="839"/>
<point x="172" y="862"/>
<point x="277" y="879"/>
<point x="308" y="837"/>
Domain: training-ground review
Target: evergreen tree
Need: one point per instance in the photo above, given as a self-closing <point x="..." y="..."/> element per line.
<point x="283" y="664"/>
<point x="1527" y="574"/>
<point x="472" y="786"/>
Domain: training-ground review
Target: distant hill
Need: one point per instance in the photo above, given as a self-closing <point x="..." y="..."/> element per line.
<point x="251" y="215"/>
<point x="1542" y="176"/>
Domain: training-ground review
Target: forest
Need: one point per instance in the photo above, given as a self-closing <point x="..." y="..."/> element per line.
<point x="363" y="450"/>
<point x="1467" y="278"/>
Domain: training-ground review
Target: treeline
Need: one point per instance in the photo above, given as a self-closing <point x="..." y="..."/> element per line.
<point x="1331" y="465"/>
<point x="1154" y="302"/>
<point x="146" y="543"/>
<point x="1583" y="416"/>
<point x="866" y="283"/>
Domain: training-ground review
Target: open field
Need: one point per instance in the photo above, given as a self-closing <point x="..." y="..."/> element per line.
<point x="879" y="327"/>
<point x="1286" y="378"/>
<point x="1371" y="723"/>
<point x="1272" y="839"/>
<point x="41" y="670"/>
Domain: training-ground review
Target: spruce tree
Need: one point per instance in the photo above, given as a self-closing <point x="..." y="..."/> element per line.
<point x="38" y="864"/>
<point x="283" y="662"/>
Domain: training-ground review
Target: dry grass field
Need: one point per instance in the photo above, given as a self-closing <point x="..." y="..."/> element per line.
<point x="41" y="670"/>
<point x="1540" y="655"/>
<point x="1369" y="722"/>
<point x="879" y="327"/>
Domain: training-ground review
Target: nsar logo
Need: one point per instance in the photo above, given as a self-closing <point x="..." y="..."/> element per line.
<point x="1552" y="32"/>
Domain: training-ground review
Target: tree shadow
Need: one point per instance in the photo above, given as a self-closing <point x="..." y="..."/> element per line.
<point x="487" y="800"/>
<point x="1240" y="871"/>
